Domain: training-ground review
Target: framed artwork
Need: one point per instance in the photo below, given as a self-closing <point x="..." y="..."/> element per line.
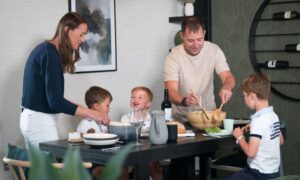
<point x="98" y="52"/>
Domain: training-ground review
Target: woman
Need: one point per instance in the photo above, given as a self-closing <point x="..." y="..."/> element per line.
<point x="43" y="83"/>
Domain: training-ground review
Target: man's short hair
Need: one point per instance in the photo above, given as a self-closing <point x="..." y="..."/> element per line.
<point x="192" y="23"/>
<point x="259" y="84"/>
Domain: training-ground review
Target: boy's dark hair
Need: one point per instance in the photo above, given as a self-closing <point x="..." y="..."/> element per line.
<point x="96" y="94"/>
<point x="259" y="84"/>
<point x="192" y="23"/>
<point x="145" y="89"/>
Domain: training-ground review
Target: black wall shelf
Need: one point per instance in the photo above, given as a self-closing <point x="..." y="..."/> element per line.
<point x="283" y="2"/>
<point x="254" y="49"/>
<point x="281" y="34"/>
<point x="202" y="10"/>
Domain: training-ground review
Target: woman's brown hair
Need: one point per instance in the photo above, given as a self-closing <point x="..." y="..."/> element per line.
<point x="68" y="56"/>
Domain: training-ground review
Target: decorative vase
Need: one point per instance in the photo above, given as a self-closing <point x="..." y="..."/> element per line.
<point x="158" y="128"/>
<point x="188" y="9"/>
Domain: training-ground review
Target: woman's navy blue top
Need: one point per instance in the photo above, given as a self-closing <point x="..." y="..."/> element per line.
<point x="43" y="82"/>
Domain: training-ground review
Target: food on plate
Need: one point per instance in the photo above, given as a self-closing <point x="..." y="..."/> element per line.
<point x="213" y="130"/>
<point x="91" y="130"/>
<point x="74" y="135"/>
<point x="180" y="126"/>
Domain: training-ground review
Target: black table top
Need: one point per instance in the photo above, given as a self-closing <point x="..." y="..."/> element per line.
<point x="140" y="156"/>
<point x="184" y="146"/>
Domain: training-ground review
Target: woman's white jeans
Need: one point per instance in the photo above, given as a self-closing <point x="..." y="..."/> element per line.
<point x="38" y="127"/>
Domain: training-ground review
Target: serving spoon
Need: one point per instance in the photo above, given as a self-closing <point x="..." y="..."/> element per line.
<point x="218" y="112"/>
<point x="201" y="107"/>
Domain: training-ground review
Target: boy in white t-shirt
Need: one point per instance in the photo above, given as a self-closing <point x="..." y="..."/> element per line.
<point x="263" y="147"/>
<point x="98" y="99"/>
<point x="141" y="99"/>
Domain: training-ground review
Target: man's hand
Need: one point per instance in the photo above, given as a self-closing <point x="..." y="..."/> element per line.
<point x="225" y="95"/>
<point x="191" y="100"/>
<point x="228" y="83"/>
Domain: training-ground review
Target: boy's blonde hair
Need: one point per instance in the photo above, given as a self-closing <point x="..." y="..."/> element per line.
<point x="145" y="89"/>
<point x="259" y="84"/>
<point x="96" y="94"/>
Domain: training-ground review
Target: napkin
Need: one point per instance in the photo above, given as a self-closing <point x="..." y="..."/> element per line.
<point x="188" y="133"/>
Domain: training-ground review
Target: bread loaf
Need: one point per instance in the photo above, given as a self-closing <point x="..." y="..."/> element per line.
<point x="180" y="126"/>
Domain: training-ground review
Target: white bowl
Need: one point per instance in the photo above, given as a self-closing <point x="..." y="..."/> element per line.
<point x="124" y="130"/>
<point x="100" y="139"/>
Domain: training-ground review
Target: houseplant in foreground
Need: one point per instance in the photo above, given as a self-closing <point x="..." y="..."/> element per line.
<point x="73" y="169"/>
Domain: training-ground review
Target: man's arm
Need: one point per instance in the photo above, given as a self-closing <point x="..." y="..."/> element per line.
<point x="176" y="98"/>
<point x="228" y="83"/>
<point x="173" y="87"/>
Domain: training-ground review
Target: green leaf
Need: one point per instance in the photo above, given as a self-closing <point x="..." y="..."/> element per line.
<point x="113" y="168"/>
<point x="73" y="168"/>
<point x="41" y="167"/>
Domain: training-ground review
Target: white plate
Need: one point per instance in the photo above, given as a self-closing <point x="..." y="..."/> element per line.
<point x="222" y="133"/>
<point x="100" y="142"/>
<point x="100" y="136"/>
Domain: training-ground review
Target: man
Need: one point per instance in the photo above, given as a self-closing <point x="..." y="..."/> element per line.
<point x="188" y="75"/>
<point x="189" y="70"/>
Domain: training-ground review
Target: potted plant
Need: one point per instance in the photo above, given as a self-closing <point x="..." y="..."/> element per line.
<point x="73" y="169"/>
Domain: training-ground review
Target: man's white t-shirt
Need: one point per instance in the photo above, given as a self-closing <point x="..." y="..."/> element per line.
<point x="196" y="73"/>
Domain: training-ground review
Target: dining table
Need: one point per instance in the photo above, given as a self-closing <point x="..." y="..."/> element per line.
<point x="140" y="156"/>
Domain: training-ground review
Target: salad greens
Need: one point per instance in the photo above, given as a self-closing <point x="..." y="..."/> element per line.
<point x="213" y="130"/>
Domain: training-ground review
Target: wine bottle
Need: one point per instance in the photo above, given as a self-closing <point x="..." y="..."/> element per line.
<point x="292" y="47"/>
<point x="273" y="64"/>
<point x="166" y="106"/>
<point x="285" y="15"/>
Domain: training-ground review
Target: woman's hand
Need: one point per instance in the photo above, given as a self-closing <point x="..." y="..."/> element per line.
<point x="104" y="119"/>
<point x="99" y="117"/>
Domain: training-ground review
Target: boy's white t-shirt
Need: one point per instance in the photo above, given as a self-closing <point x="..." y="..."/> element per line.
<point x="146" y="126"/>
<point x="265" y="125"/>
<point x="87" y="124"/>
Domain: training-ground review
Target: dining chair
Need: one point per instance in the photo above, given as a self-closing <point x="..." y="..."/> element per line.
<point x="14" y="164"/>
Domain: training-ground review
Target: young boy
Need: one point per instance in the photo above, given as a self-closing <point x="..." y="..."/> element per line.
<point x="98" y="99"/>
<point x="141" y="99"/>
<point x="263" y="147"/>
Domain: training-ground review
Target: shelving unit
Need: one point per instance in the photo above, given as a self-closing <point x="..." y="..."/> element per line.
<point x="202" y="9"/>
<point x="264" y="42"/>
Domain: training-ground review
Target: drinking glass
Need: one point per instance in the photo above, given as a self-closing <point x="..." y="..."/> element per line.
<point x="137" y="120"/>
